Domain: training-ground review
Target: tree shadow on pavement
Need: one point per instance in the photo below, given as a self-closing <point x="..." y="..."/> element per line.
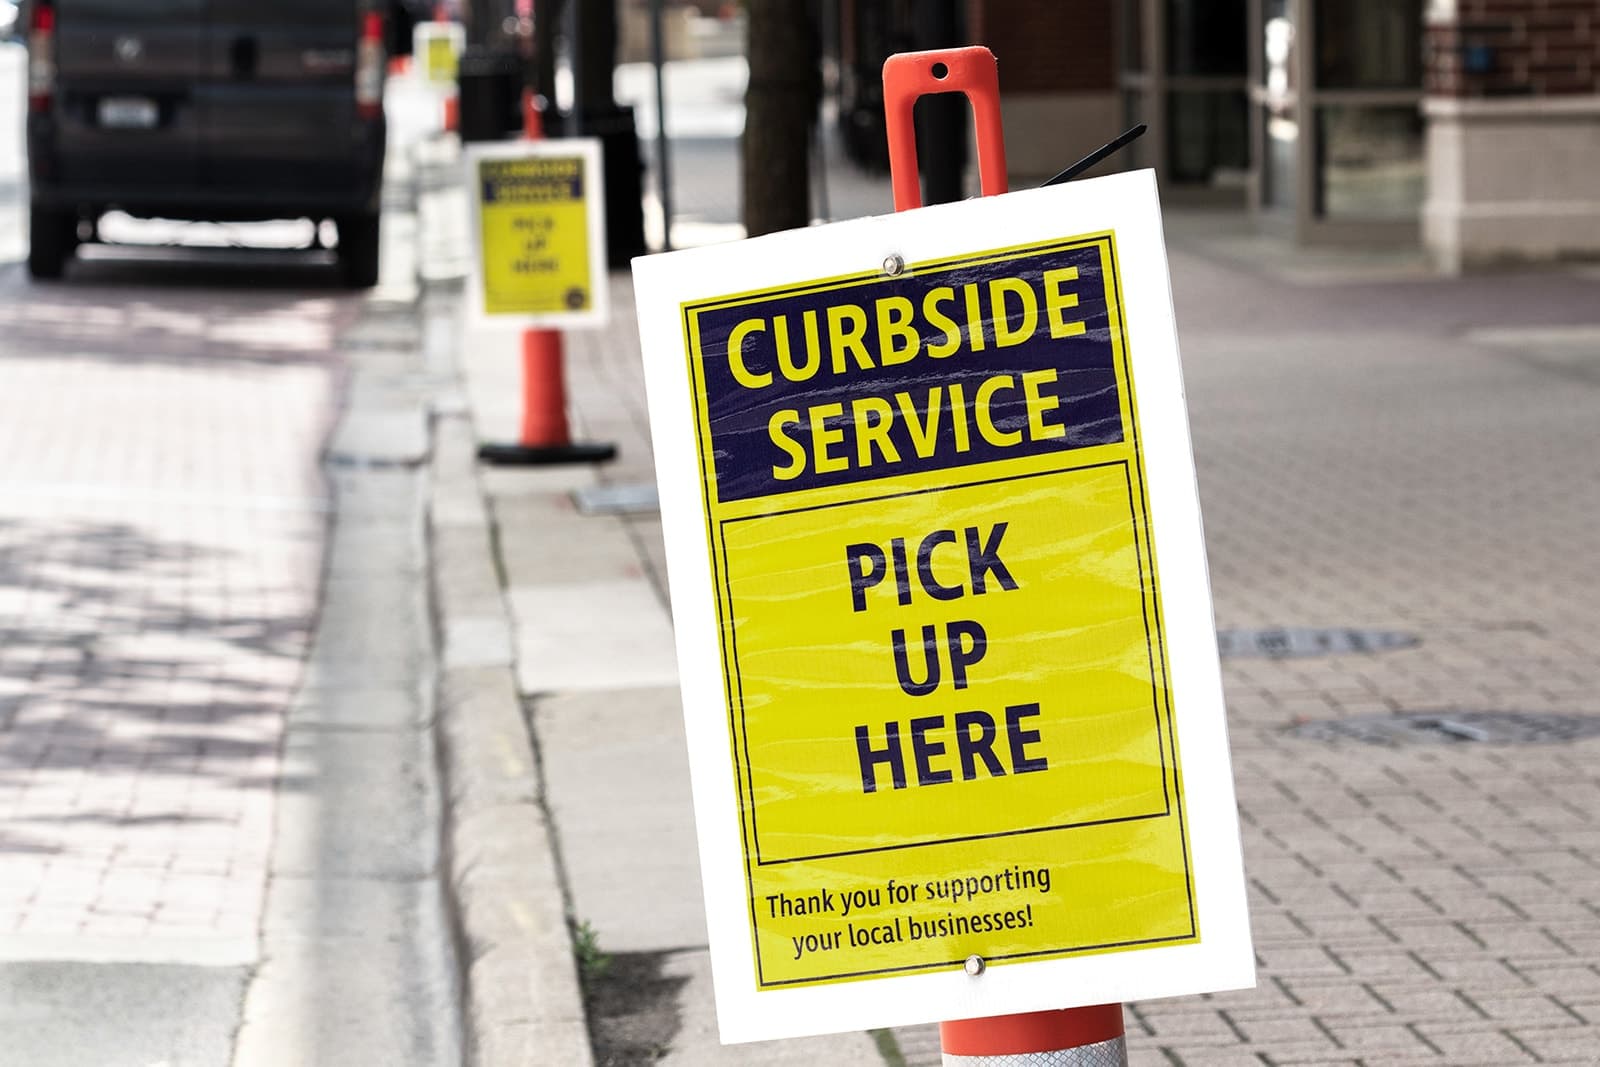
<point x="121" y="652"/>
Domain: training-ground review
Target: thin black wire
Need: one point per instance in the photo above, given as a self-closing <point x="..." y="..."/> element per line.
<point x="1098" y="154"/>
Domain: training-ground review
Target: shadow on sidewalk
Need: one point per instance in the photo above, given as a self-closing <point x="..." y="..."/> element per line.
<point x="633" y="1007"/>
<point x="117" y="660"/>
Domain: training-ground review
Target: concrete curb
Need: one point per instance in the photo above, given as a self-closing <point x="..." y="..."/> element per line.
<point x="522" y="1000"/>
<point x="522" y="1003"/>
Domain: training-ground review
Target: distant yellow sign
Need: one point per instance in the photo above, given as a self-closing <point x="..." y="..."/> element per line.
<point x="437" y="47"/>
<point x="540" y="248"/>
<point x="942" y="625"/>
<point x="439" y="61"/>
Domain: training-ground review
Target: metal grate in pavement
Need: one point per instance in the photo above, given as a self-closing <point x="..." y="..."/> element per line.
<point x="1286" y="642"/>
<point x="1452" y="727"/>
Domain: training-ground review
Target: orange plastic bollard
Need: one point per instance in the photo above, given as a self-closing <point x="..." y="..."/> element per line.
<point x="545" y="436"/>
<point x="908" y="75"/>
<point x="1072" y="1037"/>
<point x="544" y="390"/>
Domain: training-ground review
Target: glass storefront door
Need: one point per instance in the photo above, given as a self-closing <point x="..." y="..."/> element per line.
<point x="1336" y="89"/>
<point x="1184" y="73"/>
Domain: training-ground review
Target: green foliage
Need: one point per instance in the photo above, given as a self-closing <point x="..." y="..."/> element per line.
<point x="592" y="962"/>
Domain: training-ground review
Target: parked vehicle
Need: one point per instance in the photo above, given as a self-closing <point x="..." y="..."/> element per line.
<point x="216" y="110"/>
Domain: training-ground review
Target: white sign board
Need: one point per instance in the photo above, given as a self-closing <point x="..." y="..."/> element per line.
<point x="944" y="630"/>
<point x="538" y="232"/>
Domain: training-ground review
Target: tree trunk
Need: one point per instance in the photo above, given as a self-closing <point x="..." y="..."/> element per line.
<point x="594" y="29"/>
<point x="940" y="118"/>
<point x="780" y="108"/>
<point x="547" y="16"/>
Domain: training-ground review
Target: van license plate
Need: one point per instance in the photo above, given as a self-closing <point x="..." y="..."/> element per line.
<point x="128" y="112"/>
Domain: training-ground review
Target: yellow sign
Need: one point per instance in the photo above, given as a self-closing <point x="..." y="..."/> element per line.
<point x="437" y="46"/>
<point x="439" y="59"/>
<point x="540" y="239"/>
<point x="941" y="625"/>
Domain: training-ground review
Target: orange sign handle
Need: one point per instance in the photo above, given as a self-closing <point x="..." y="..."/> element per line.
<point x="908" y="75"/>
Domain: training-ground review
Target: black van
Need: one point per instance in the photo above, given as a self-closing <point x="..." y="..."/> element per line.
<point x="217" y="110"/>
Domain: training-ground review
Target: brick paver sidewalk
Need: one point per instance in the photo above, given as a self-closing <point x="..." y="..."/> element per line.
<point x="160" y="539"/>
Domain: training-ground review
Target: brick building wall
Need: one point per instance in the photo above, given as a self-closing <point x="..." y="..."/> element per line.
<point x="1046" y="46"/>
<point x="1478" y="48"/>
<point x="1058" y="77"/>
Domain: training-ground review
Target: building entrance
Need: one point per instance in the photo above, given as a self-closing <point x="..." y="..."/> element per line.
<point x="1336" y="121"/>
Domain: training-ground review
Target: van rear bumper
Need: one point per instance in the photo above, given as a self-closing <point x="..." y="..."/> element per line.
<point x="359" y="190"/>
<point x="206" y="205"/>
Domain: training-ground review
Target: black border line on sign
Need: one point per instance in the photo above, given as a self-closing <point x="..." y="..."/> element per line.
<point x="691" y="336"/>
<point x="1076" y="950"/>
<point x="1155" y="580"/>
<point x="1155" y="682"/>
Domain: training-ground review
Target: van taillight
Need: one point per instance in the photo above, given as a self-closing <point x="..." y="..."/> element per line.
<point x="369" y="67"/>
<point x="41" y="56"/>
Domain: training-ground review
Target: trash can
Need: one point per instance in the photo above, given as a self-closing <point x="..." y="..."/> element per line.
<point x="624" y="170"/>
<point x="489" y="94"/>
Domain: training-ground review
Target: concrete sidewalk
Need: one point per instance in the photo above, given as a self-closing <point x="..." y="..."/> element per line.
<point x="1377" y="449"/>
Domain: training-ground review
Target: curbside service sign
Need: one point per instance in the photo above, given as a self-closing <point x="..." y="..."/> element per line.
<point x="538" y="230"/>
<point x="948" y="663"/>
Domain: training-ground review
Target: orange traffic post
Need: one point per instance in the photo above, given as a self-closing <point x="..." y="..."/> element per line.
<point x="1070" y="1037"/>
<point x="452" y="102"/>
<point x="908" y="75"/>
<point x="544" y="436"/>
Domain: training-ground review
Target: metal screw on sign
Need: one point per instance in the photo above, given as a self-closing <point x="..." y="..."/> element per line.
<point x="1073" y="1037"/>
<point x="893" y="266"/>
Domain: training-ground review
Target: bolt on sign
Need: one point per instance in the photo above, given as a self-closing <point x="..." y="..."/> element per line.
<point x="948" y="663"/>
<point x="538" y="229"/>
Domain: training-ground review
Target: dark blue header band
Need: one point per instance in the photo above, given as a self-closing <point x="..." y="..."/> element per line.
<point x="531" y="180"/>
<point x="945" y="367"/>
